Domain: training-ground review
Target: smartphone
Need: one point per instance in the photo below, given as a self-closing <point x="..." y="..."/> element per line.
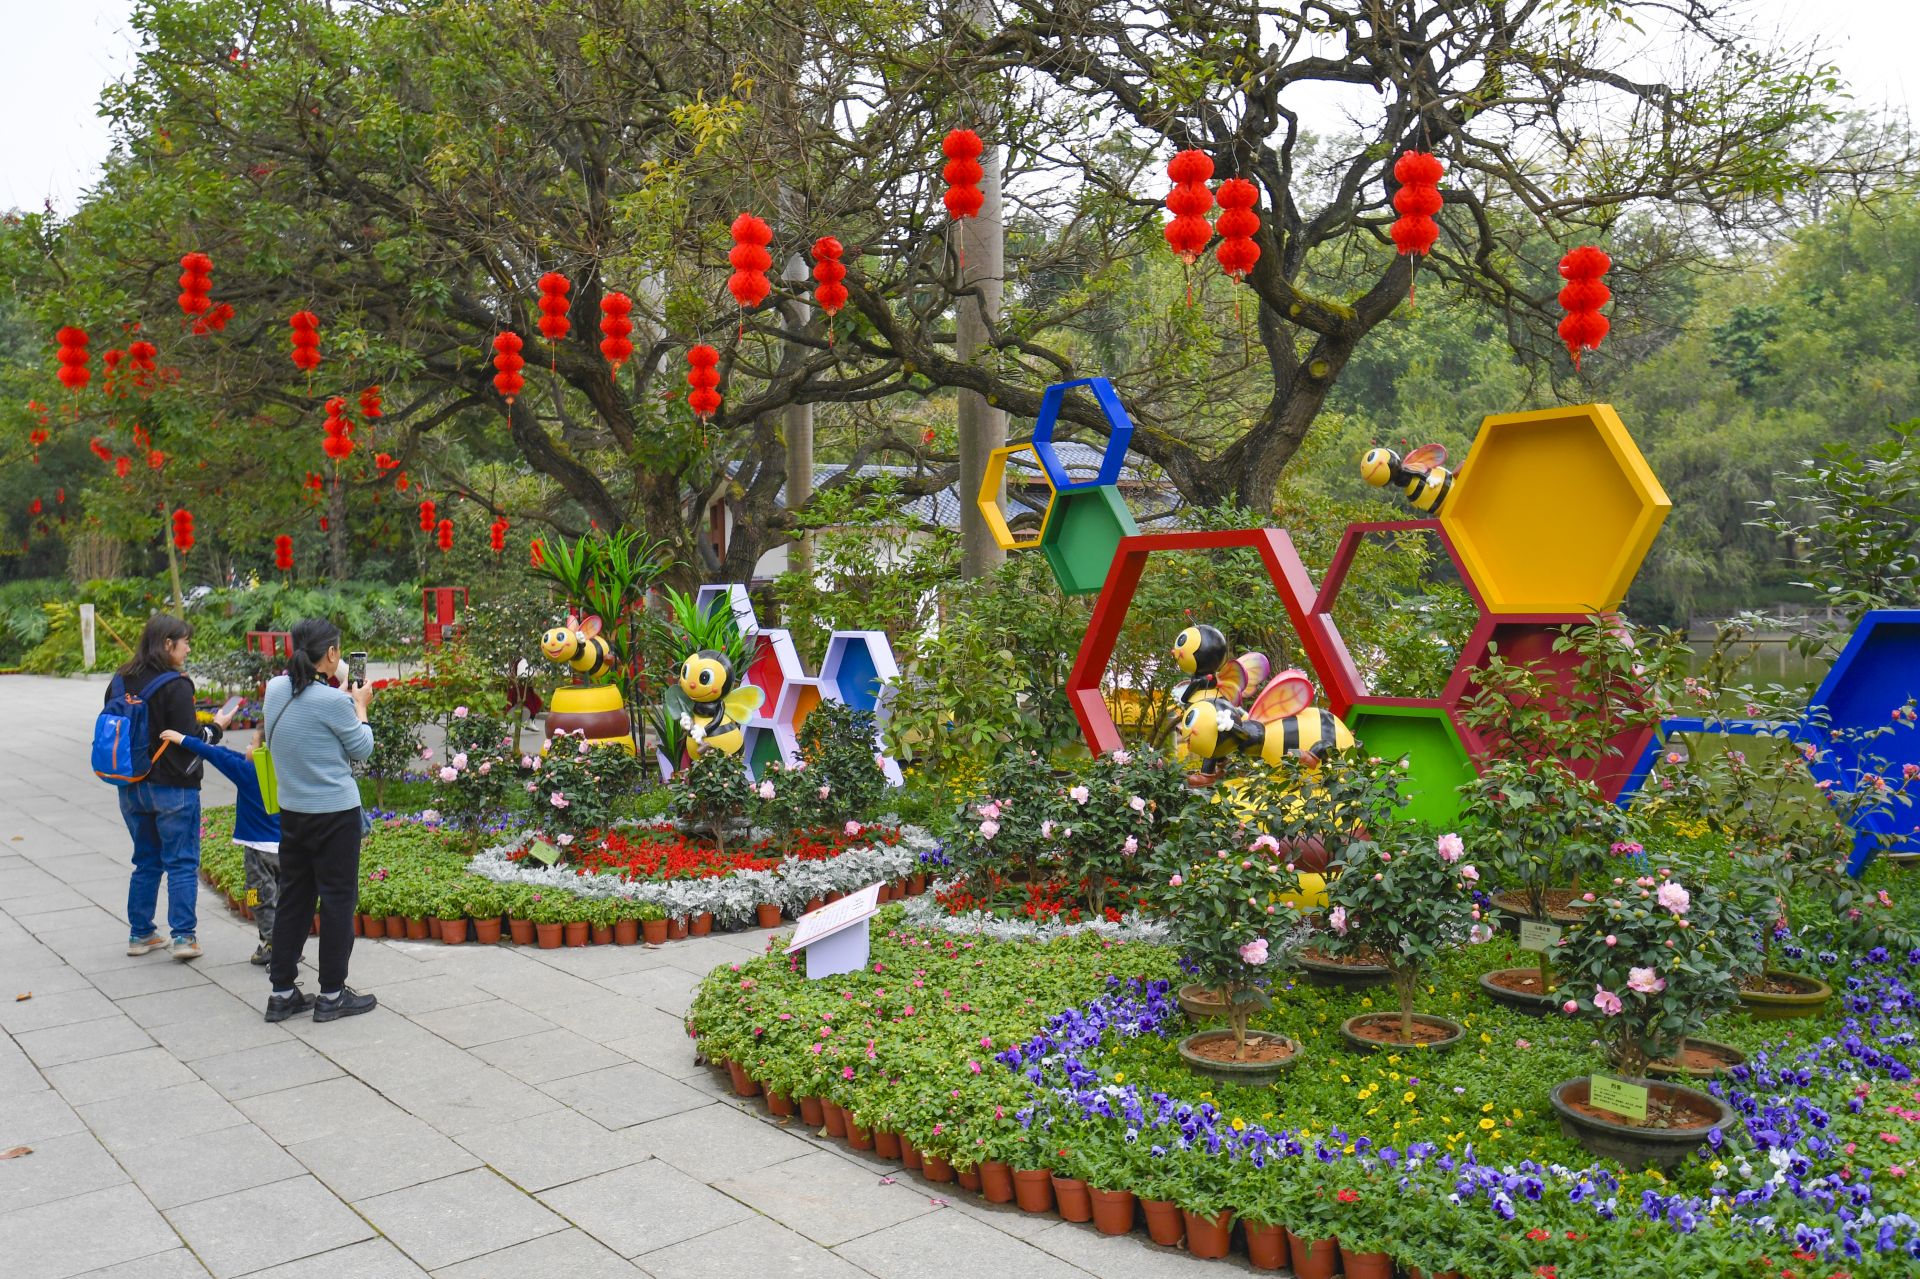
<point x="231" y="707"/>
<point x="356" y="669"/>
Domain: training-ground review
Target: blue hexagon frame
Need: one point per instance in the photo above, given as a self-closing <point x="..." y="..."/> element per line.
<point x="1118" y="423"/>
<point x="1875" y="675"/>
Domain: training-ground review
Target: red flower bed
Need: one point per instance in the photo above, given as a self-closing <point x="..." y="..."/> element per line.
<point x="661" y="852"/>
<point x="1052" y="900"/>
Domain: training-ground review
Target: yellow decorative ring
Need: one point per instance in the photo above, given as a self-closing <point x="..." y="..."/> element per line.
<point x="989" y="499"/>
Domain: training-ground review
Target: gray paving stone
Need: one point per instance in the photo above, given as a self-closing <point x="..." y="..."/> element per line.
<point x="622" y="1096"/>
<point x="174" y="1263"/>
<point x="593" y="963"/>
<point x="209" y="1165"/>
<point x="466" y="1215"/>
<point x="430" y="994"/>
<point x="469" y="1025"/>
<point x="58" y="1167"/>
<point x="68" y="917"/>
<point x="390" y="1155"/>
<point x="52" y="1007"/>
<point x="906" y="1250"/>
<point x="475" y="1098"/>
<point x="825" y="1198"/>
<point x="718" y="1141"/>
<point x="300" y="1114"/>
<point x="571" y="1253"/>
<point x="230" y="1031"/>
<point x="753" y="1247"/>
<point x="662" y="1042"/>
<point x="552" y="1150"/>
<point x="253" y="1229"/>
<point x="53" y="978"/>
<point x="667" y="988"/>
<point x="125" y="982"/>
<point x="58" y="1045"/>
<point x="83" y="1232"/>
<point x="548" y="1055"/>
<point x="1118" y="1257"/>
<point x="608" y="1018"/>
<point x="644" y="1206"/>
<point x="197" y="1003"/>
<point x="253" y="1071"/>
<point x="533" y="984"/>
<point x="168" y="1116"/>
<point x="372" y="1259"/>
<point x="118" y="1075"/>
<point x="34" y="1116"/>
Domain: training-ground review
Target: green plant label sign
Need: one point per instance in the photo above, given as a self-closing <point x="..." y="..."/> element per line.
<point x="544" y="852"/>
<point x="1535" y="935"/>
<point x="1629" y="1101"/>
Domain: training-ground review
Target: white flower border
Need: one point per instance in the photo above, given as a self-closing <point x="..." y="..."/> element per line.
<point x="925" y="912"/>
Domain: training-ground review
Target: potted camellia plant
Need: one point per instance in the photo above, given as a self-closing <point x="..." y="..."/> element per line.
<point x="1405" y="907"/>
<point x="1652" y="961"/>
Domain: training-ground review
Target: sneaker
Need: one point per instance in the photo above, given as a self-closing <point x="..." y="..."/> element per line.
<point x="281" y="1007"/>
<point x="185" y="948"/>
<point x="146" y="945"/>
<point x="348" y="1003"/>
<point x="262" y="954"/>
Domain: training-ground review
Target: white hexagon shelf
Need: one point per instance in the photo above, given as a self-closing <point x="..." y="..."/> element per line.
<point x="734" y="596"/>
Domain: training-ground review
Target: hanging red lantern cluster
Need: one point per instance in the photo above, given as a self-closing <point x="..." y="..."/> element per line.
<point x="703" y="375"/>
<point x="750" y="259"/>
<point x="1237" y="225"/>
<point x="283" y="553"/>
<point x="536" y="553"/>
<point x="74" y="373"/>
<point x="400" y="482"/>
<point x="963" y="173"/>
<point x="214" y="321"/>
<point x="497" y="534"/>
<point x="1583" y="296"/>
<point x="614" y="327"/>
<point x="339" y="441"/>
<point x="305" y="327"/>
<point x="140" y="359"/>
<point x="370" y="402"/>
<point x="196" y="284"/>
<point x="427" y="515"/>
<point x="446" y="535"/>
<point x="1417" y="201"/>
<point x="553" y="306"/>
<point x="384" y="462"/>
<point x="507" y="365"/>
<point x="828" y="272"/>
<point x="183" y="529"/>
<point x="314" y="482"/>
<point x="1188" y="233"/>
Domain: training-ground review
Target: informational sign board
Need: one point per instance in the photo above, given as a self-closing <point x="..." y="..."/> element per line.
<point x="544" y="852"/>
<point x="1535" y="935"/>
<point x="835" y="936"/>
<point x="1629" y="1101"/>
<point x="87" y="650"/>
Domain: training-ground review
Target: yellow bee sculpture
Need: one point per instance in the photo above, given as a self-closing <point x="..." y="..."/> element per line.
<point x="1279" y="723"/>
<point x="716" y="710"/>
<point x="1201" y="653"/>
<point x="577" y="643"/>
<point x="1421" y="476"/>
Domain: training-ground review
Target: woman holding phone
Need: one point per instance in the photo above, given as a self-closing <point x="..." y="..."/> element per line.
<point x="315" y="732"/>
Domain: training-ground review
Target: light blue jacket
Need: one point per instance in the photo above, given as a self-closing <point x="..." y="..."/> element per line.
<point x="315" y="738"/>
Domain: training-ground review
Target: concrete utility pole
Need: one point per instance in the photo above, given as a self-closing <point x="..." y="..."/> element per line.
<point x="797" y="426"/>
<point x="983" y="428"/>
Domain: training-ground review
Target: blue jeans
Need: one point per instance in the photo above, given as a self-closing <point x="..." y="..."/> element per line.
<point x="165" y="824"/>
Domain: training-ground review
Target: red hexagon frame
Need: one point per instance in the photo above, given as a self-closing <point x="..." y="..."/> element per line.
<point x="1326" y="652"/>
<point x="1343" y="557"/>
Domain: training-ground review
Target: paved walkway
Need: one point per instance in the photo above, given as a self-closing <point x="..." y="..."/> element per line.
<point x="504" y="1112"/>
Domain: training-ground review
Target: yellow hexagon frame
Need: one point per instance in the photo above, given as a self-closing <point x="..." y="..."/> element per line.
<point x="1554" y="510"/>
<point x="989" y="499"/>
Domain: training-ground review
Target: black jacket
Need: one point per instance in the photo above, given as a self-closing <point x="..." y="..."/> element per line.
<point x="171" y="708"/>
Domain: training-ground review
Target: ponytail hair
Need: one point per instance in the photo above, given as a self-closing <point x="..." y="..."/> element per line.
<point x="150" y="654"/>
<point x="311" y="640"/>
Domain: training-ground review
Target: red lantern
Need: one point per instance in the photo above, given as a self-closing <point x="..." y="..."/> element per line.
<point x="1237" y="224"/>
<point x="497" y="534"/>
<point x="1417" y="200"/>
<point x="426" y="515"/>
<point x="385" y="461"/>
<point x="1583" y="296"/>
<point x="196" y="282"/>
<point x="140" y="358"/>
<point x="1188" y="233"/>
<point x="283" y="553"/>
<point x="156" y="460"/>
<point x="60" y="496"/>
<point x="213" y="321"/>
<point x="183" y="529"/>
<point x="400" y="482"/>
<point x="74" y="373"/>
<point x="33" y="507"/>
<point x="828" y="272"/>
<point x="121" y="465"/>
<point x="324" y="525"/>
<point x="370" y="401"/>
<point x="963" y="173"/>
<point x="305" y="338"/>
<point x="536" y="553"/>
<point x="446" y="535"/>
<point x="614" y="327"/>
<point x="553" y="306"/>
<point x="704" y="377"/>
<point x="314" y="482"/>
<point x="750" y="259"/>
<point x="507" y="364"/>
<point x="339" y="442"/>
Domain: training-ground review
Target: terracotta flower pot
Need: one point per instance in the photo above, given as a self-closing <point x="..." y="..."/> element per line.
<point x="916" y="884"/>
<point x="487" y="931"/>
<point x="768" y="914"/>
<point x="1113" y="1211"/>
<point x="549" y="935"/>
<point x="417" y="929"/>
<point x="1313" y="1258"/>
<point x="359" y="925"/>
<point x="397" y="927"/>
<point x="834" y="897"/>
<point x="969" y="1178"/>
<point x="1208" y="1237"/>
<point x="521" y="931"/>
<point x="314" y="930"/>
<point x="1033" y="1189"/>
<point x="655" y="931"/>
<point x="910" y="1153"/>
<point x="779" y="1104"/>
<point x="886" y="1143"/>
<point x="1266" y="1245"/>
<point x="373" y="926"/>
<point x="857" y="1137"/>
<point x="812" y="1113"/>
<point x="452" y="931"/>
<point x="1166" y="1224"/>
<point x="602" y="934"/>
<point x="1366" y="1265"/>
<point x="743" y="1083"/>
<point x="996" y="1181"/>
<point x="577" y="932"/>
<point x="702" y="924"/>
<point x="1071" y="1197"/>
<point x="813" y="904"/>
<point x="677" y="928"/>
<point x="836" y="1118"/>
<point x="934" y="1168"/>
<point x="626" y="932"/>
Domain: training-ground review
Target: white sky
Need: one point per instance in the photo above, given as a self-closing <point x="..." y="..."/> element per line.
<point x="63" y="52"/>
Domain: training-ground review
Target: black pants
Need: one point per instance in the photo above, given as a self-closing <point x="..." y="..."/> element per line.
<point x="319" y="859"/>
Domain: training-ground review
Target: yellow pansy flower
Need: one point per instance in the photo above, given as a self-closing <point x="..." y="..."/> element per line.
<point x="1486" y="1124"/>
<point x="1407" y="1095"/>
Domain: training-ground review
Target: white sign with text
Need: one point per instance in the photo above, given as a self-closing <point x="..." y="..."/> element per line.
<point x="829" y="936"/>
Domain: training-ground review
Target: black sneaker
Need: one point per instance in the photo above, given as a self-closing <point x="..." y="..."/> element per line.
<point x="348" y="1003"/>
<point x="262" y="954"/>
<point x="281" y="1007"/>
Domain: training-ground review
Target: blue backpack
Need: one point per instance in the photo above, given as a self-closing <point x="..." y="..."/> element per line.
<point x="122" y="736"/>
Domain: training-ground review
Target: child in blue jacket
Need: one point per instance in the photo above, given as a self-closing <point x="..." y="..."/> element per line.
<point x="254" y="829"/>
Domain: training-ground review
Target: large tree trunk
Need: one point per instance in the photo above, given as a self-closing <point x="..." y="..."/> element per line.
<point x="983" y="428"/>
<point x="798" y="430"/>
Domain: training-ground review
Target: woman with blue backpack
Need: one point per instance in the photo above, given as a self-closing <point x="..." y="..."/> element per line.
<point x="159" y="789"/>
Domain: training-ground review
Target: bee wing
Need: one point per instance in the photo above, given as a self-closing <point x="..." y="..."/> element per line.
<point x="742" y="702"/>
<point x="1287" y="693"/>
<point x="1249" y="671"/>
<point x="1424" y="459"/>
<point x="590" y="626"/>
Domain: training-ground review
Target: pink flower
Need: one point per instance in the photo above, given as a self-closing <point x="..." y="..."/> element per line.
<point x="449" y="774"/>
<point x="766" y="790"/>
<point x="1139" y="805"/>
<point x="486" y="766"/>
<point x="973" y="1065"/>
<point x="583" y="748"/>
<point x="1570" y="1007"/>
<point x="852" y="828"/>
<point x="426" y="752"/>
<point x="1523" y="1043"/>
<point x="1175" y="882"/>
<point x="1079" y="794"/>
<point x="989" y="828"/>
<point x="558" y="800"/>
<point x="1122" y="757"/>
<point x="1673" y="897"/>
<point x="1612" y="940"/>
<point x="1338" y="918"/>
<point x="986" y="1041"/>
<point x="1452" y="848"/>
<point x="1386" y="857"/>
<point x="460" y="760"/>
<point x="846" y="1072"/>
<point x="1255" y="951"/>
<point x="1046" y="829"/>
<point x="1644" y="981"/>
<point x="825" y="791"/>
<point x="1606" y="1001"/>
<point x="563" y="840"/>
<point x="431" y="816"/>
<point x="459" y="712"/>
<point x="1469" y="874"/>
<point x="1480" y="933"/>
<point x="1131" y="847"/>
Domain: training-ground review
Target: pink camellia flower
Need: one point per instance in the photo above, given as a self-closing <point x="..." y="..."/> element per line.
<point x="432" y="817"/>
<point x="1480" y="933"/>
<point x="563" y="840"/>
<point x="1046" y="829"/>
<point x="989" y="828"/>
<point x="1337" y="917"/>
<point x="1673" y="897"/>
<point x="1469" y="874"/>
<point x="825" y="791"/>
<point x="1612" y="940"/>
<point x="1452" y="848"/>
<point x="1139" y="805"/>
<point x="799" y="765"/>
<point x="852" y="828"/>
<point x="1079" y="794"/>
<point x="1606" y="1001"/>
<point x="1255" y="951"/>
<point x="526" y="761"/>
<point x="583" y="748"/>
<point x="558" y="800"/>
<point x="1570" y="1007"/>
<point x="1264" y="844"/>
<point x="460" y="760"/>
<point x="486" y="766"/>
<point x="1675" y="757"/>
<point x="426" y="752"/>
<point x="766" y="790"/>
<point x="449" y="774"/>
<point x="1131" y="847"/>
<point x="1175" y="881"/>
<point x="1122" y="757"/>
<point x="459" y="712"/>
<point x="1386" y="856"/>
<point x="531" y="788"/>
<point x="1644" y="981"/>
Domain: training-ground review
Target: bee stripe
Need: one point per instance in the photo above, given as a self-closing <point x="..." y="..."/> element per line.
<point x="1290" y="734"/>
